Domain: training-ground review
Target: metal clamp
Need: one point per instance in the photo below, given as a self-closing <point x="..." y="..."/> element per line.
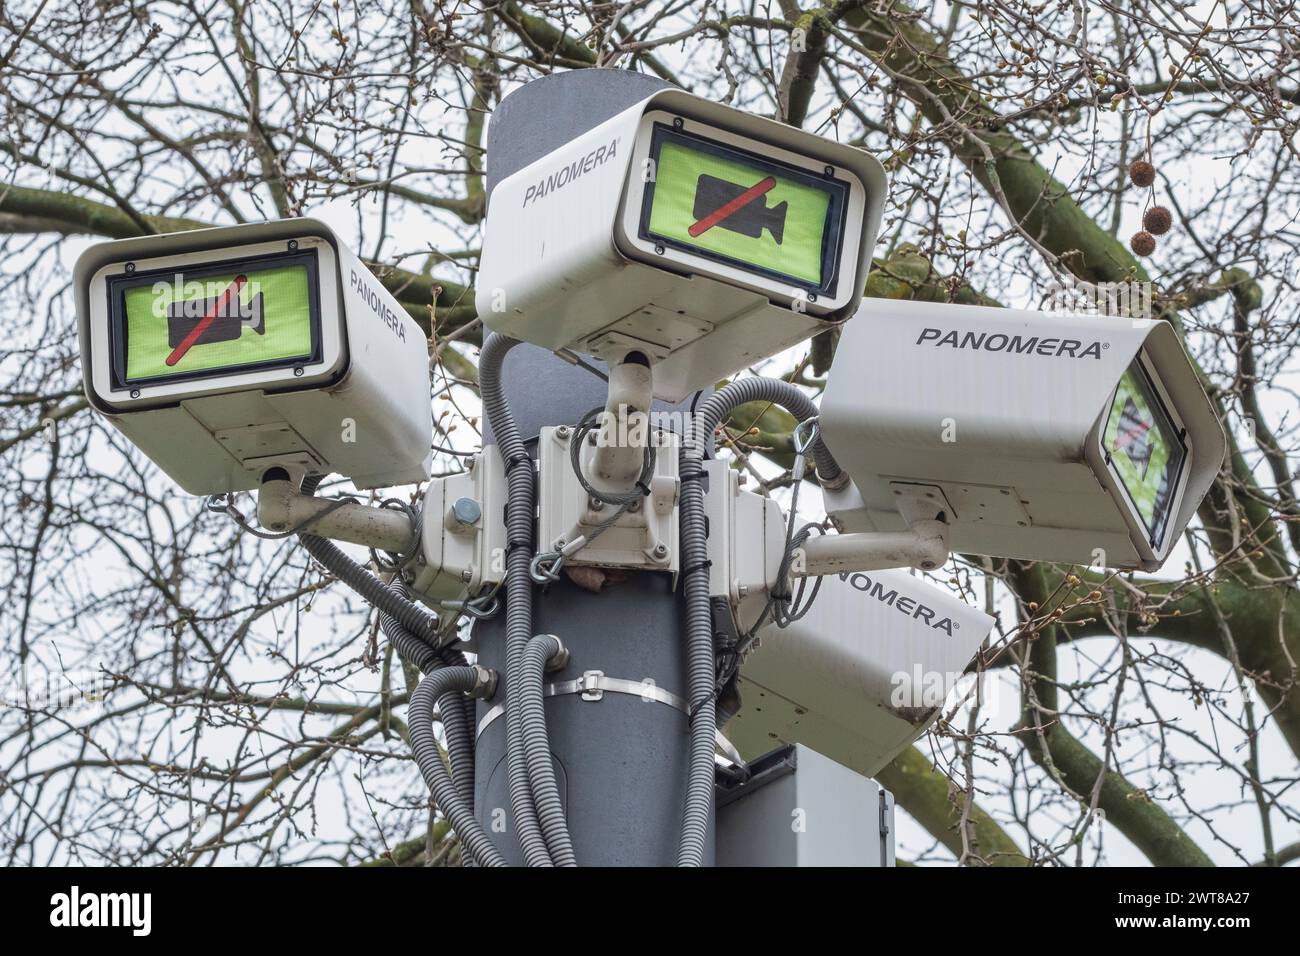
<point x="591" y="689"/>
<point x="593" y="686"/>
<point x="729" y="750"/>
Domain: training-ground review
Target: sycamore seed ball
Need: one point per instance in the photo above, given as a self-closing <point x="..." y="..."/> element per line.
<point x="1143" y="243"/>
<point x="1157" y="220"/>
<point x="1142" y="173"/>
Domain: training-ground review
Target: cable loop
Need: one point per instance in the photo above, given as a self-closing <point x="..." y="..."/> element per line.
<point x="474" y="608"/>
<point x="806" y="434"/>
<point x="545" y="567"/>
<point x="641" y="487"/>
<point x="224" y="503"/>
<point x="396" y="563"/>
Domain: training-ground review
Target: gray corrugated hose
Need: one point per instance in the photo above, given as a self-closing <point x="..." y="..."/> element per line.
<point x="457" y="711"/>
<point x="404" y="624"/>
<point x="411" y="616"/>
<point x="537" y="746"/>
<point x="459" y="811"/>
<point x="519" y="590"/>
<point x="700" y="663"/>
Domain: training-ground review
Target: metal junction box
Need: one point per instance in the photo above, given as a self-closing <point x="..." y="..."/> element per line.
<point x="802" y="809"/>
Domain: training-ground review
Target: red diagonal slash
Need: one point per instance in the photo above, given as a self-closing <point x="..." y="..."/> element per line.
<point x="735" y="205"/>
<point x="178" y="353"/>
<point x="1130" y="436"/>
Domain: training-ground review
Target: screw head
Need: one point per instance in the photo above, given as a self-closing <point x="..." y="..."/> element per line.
<point x="135" y="393"/>
<point x="661" y="550"/>
<point x="659" y="248"/>
<point x="562" y="432"/>
<point x="595" y="504"/>
<point x="297" y="371"/>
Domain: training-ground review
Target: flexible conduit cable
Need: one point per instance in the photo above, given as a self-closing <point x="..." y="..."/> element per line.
<point x="425" y="746"/>
<point x="700" y="662"/>
<point x="519" y="592"/>
<point x="537" y="747"/>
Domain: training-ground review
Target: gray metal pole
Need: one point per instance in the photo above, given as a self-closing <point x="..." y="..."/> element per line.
<point x="620" y="748"/>
<point x="621" y="757"/>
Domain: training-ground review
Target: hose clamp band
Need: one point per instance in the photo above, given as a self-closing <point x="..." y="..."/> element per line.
<point x="593" y="686"/>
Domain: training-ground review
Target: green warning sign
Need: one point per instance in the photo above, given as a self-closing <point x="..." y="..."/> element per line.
<point x="254" y="314"/>
<point x="1146" y="451"/>
<point x="736" y="207"/>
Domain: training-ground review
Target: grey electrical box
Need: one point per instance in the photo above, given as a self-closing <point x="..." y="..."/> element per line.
<point x="798" y="808"/>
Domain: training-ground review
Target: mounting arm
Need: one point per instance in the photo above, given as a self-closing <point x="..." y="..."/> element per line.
<point x="280" y="507"/>
<point x="924" y="545"/>
<point x="620" y="456"/>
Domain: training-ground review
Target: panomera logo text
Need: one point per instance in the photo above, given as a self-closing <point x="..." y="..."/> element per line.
<point x="567" y="174"/>
<point x="381" y="309"/>
<point x="1019" y="344"/>
<point x="134" y="910"/>
<point x="900" y="603"/>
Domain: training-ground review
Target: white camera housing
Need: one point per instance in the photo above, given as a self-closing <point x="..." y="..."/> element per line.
<point x="862" y="674"/>
<point x="326" y="374"/>
<point x="576" y="257"/>
<point x="1079" y="439"/>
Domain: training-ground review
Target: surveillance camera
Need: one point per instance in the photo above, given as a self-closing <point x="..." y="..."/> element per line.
<point x="862" y="674"/>
<point x="221" y="353"/>
<point x="701" y="236"/>
<point x="1037" y="436"/>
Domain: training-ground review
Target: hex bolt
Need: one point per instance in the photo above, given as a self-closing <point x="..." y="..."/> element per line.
<point x="466" y="511"/>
